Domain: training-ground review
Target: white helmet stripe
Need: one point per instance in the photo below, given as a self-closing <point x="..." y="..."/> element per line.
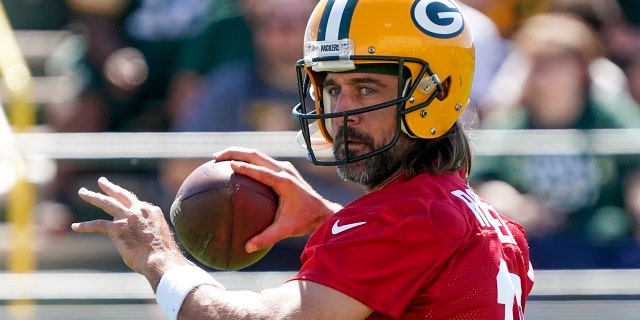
<point x="333" y="25"/>
<point x="336" y="20"/>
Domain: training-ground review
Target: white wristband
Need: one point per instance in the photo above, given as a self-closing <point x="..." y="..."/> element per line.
<point x="176" y="284"/>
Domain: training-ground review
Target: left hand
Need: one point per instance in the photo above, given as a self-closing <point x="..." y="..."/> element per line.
<point x="138" y="230"/>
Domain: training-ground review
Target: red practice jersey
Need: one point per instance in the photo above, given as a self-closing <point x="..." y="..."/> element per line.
<point x="423" y="248"/>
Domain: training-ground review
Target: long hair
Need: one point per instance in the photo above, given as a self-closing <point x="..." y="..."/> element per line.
<point x="446" y="154"/>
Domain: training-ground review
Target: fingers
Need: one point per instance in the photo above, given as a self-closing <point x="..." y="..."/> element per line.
<point x="108" y="204"/>
<point x="95" y="226"/>
<point x="256" y="158"/>
<point x="265" y="239"/>
<point x="247" y="155"/>
<point x="265" y="175"/>
<point x="115" y="201"/>
<point x="125" y="197"/>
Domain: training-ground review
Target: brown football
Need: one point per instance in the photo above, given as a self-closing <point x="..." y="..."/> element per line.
<point x="216" y="211"/>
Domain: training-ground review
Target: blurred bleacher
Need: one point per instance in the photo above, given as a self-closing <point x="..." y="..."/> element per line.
<point x="50" y="56"/>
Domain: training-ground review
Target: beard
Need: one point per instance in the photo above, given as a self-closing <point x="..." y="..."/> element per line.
<point x="371" y="171"/>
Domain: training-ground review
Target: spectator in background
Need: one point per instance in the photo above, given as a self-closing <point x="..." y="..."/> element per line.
<point x="494" y="60"/>
<point x="226" y="39"/>
<point x="608" y="81"/>
<point x="133" y="51"/>
<point x="620" y="45"/>
<point x="608" y="20"/>
<point x="508" y="14"/>
<point x="259" y="96"/>
<point x="267" y="85"/>
<point x="572" y="205"/>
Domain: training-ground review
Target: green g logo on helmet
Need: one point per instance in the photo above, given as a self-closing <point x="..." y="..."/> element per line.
<point x="437" y="18"/>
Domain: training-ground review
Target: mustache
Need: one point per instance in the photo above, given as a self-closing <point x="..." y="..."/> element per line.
<point x="347" y="133"/>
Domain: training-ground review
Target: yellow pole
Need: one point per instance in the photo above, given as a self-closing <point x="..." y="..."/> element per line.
<point x="17" y="80"/>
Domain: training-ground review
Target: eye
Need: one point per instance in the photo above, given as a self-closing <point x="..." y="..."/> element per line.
<point x="366" y="91"/>
<point x="333" y="91"/>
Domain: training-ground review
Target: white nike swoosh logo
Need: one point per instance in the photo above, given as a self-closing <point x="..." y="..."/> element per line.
<point x="337" y="229"/>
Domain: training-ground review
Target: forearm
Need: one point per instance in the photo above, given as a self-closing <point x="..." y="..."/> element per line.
<point x="284" y="302"/>
<point x="292" y="300"/>
<point x="210" y="302"/>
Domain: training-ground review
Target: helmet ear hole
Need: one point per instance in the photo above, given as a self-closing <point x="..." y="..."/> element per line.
<point x="446" y="84"/>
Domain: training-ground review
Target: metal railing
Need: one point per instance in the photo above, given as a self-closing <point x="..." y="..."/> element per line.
<point x="282" y="144"/>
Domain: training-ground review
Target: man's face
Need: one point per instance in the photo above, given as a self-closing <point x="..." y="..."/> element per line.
<point x="365" y="132"/>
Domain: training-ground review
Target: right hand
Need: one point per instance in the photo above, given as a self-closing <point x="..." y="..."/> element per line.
<point x="138" y="230"/>
<point x="301" y="209"/>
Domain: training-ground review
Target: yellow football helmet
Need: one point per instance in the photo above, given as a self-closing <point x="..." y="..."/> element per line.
<point x="428" y="40"/>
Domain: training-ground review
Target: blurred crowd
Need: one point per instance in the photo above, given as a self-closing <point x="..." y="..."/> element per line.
<point x="228" y="65"/>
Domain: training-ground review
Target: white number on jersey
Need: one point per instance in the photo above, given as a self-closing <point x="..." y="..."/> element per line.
<point x="509" y="290"/>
